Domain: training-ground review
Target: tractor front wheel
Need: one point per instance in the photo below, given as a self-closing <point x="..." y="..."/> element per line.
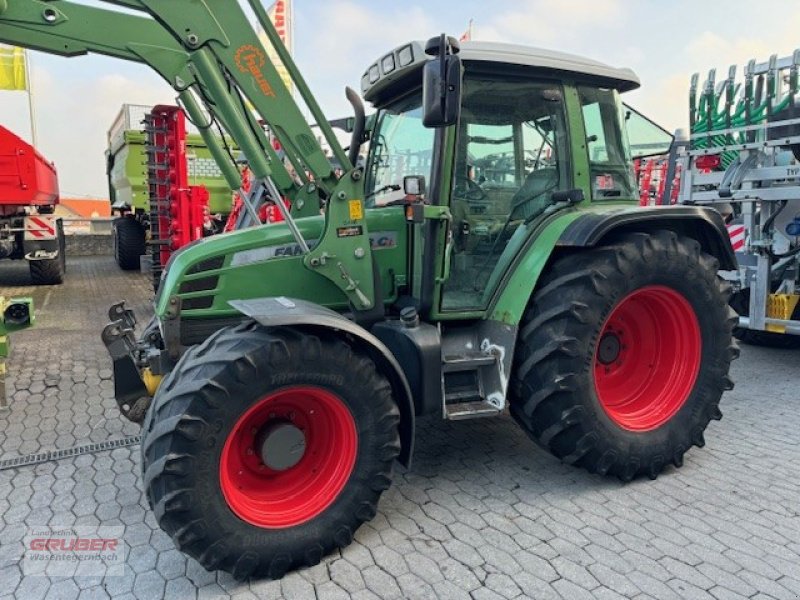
<point x="624" y="354"/>
<point x="265" y="449"/>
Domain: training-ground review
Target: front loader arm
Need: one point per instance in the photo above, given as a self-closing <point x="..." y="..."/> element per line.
<point x="68" y="29"/>
<point x="224" y="49"/>
<point x="221" y="35"/>
<point x="231" y="64"/>
<point x="211" y="55"/>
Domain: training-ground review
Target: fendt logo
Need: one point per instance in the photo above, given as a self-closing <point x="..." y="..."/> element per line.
<point x="251" y="60"/>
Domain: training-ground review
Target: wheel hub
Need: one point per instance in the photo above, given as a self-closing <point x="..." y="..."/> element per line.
<point x="288" y="456"/>
<point x="647" y="358"/>
<point x="281" y="445"/>
<point x="609" y="348"/>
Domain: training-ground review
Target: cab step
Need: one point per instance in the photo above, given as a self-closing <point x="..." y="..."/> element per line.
<point x="467" y="362"/>
<point x="465" y="385"/>
<point x="470" y="410"/>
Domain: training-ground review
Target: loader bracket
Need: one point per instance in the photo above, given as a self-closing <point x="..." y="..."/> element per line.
<point x="119" y="339"/>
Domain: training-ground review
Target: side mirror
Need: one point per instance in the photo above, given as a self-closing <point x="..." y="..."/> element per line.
<point x="441" y="83"/>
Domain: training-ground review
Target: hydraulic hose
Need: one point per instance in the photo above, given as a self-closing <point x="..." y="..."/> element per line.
<point x="768" y="222"/>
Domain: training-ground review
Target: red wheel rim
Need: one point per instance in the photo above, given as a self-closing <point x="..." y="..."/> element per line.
<point x="647" y="358"/>
<point x="283" y="497"/>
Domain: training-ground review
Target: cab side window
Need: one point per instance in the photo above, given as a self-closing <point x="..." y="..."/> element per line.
<point x="607" y="145"/>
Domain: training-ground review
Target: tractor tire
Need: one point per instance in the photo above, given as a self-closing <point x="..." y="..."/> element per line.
<point x="265" y="449"/>
<point x="51" y="272"/>
<point x="768" y="339"/>
<point x="623" y="355"/>
<point x="129" y="243"/>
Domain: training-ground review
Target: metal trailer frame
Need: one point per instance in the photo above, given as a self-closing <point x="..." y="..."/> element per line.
<point x="758" y="188"/>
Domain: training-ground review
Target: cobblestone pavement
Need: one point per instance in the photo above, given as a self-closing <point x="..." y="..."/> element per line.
<point x="483" y="513"/>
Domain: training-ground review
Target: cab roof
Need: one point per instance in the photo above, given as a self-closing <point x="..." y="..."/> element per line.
<point x="387" y="76"/>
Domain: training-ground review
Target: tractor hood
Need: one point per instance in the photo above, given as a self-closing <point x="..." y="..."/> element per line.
<point x="267" y="261"/>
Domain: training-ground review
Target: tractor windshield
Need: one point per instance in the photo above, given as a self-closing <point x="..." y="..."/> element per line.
<point x="400" y="146"/>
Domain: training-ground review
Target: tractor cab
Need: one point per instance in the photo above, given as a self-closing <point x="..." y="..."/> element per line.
<point x="537" y="132"/>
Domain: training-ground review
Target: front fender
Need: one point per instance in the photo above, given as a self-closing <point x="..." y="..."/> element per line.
<point x="281" y="312"/>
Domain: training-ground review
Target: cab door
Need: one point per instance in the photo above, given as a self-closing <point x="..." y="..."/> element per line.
<point x="512" y="154"/>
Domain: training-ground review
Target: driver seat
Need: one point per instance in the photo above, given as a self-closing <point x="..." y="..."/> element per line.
<point x="534" y="194"/>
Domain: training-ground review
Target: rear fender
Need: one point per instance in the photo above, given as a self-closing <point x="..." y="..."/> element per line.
<point x="574" y="230"/>
<point x="700" y="223"/>
<point x="282" y="312"/>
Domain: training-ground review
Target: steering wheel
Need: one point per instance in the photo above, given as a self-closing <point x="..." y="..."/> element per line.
<point x="472" y="191"/>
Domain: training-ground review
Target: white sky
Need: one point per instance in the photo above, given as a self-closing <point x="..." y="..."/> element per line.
<point x="663" y="41"/>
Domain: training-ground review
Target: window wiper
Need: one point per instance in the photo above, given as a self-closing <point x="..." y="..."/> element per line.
<point x="480" y="139"/>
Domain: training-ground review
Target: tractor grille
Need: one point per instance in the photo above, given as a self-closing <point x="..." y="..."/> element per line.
<point x="199" y="303"/>
<point x="207" y="265"/>
<point x="199" y="285"/>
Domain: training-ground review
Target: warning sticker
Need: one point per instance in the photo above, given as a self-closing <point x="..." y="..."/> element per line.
<point x="40" y="228"/>
<point x="356" y="210"/>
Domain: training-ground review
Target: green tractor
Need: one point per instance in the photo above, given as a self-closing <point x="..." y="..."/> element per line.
<point x="488" y="258"/>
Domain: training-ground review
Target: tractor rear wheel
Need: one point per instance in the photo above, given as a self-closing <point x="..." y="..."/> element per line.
<point x="623" y="355"/>
<point x="265" y="449"/>
<point x="129" y="242"/>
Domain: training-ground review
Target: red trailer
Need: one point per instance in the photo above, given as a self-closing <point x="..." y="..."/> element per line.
<point x="28" y="196"/>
